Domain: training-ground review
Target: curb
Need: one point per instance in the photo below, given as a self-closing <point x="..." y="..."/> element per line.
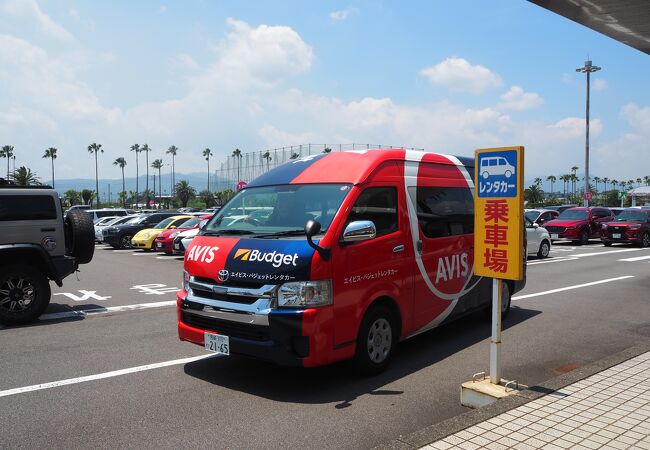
<point x="458" y="423"/>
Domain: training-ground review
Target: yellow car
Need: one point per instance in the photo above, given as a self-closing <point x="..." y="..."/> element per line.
<point x="145" y="238"/>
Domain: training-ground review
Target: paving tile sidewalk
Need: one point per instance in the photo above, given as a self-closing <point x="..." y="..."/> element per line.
<point x="608" y="410"/>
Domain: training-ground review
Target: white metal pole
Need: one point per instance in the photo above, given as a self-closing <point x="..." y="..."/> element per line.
<point x="495" y="342"/>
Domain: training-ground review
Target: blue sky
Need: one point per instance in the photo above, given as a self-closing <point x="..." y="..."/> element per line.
<point x="445" y="76"/>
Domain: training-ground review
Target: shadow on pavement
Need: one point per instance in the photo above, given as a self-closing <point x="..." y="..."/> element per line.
<point x="338" y="382"/>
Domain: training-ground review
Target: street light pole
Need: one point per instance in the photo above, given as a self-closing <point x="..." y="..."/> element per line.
<point x="588" y="68"/>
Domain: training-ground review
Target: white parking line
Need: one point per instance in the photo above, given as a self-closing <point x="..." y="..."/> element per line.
<point x="583" y="255"/>
<point x="100" y="376"/>
<point x="609" y="252"/>
<point x="553" y="260"/>
<point x="569" y="288"/>
<point x="638" y="258"/>
<point x="105" y="310"/>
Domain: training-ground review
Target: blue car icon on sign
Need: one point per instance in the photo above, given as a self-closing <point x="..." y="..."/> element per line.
<point x="495" y="166"/>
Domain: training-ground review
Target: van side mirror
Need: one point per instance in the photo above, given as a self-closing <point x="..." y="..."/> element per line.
<point x="359" y="230"/>
<point x="312" y="228"/>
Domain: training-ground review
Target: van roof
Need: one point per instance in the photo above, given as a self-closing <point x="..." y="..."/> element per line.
<point x="352" y="167"/>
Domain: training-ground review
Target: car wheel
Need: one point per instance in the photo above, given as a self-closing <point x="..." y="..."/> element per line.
<point x="544" y="249"/>
<point x="645" y="240"/>
<point x="125" y="241"/>
<point x="79" y="236"/>
<point x="508" y="174"/>
<point x="375" y="341"/>
<point x="485" y="175"/>
<point x="584" y="237"/>
<point x="24" y="294"/>
<point x="607" y="243"/>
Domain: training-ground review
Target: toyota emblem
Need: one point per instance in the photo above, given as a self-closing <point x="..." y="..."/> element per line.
<point x="223" y="275"/>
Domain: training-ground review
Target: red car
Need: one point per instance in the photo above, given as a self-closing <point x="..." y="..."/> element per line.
<point x="630" y="226"/>
<point x="164" y="241"/>
<point x="579" y="224"/>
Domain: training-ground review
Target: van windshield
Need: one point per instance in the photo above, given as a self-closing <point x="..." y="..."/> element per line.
<point x="278" y="210"/>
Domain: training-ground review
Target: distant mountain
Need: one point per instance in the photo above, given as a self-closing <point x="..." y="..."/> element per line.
<point x="197" y="180"/>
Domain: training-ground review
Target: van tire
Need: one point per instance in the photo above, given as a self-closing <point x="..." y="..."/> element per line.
<point x="79" y="236"/>
<point x="32" y="280"/>
<point x="376" y="341"/>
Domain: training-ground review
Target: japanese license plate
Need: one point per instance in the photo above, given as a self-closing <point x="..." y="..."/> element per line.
<point x="616" y="235"/>
<point x="217" y="343"/>
<point x="159" y="244"/>
<point x="554" y="236"/>
<point x="177" y="246"/>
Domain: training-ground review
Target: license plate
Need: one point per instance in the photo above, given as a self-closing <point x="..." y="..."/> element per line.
<point x="616" y="235"/>
<point x="554" y="236"/>
<point x="177" y="246"/>
<point x="217" y="343"/>
<point x="159" y="244"/>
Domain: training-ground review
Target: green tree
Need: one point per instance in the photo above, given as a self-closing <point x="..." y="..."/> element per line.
<point x="552" y="179"/>
<point x="226" y="195"/>
<point x="145" y="148"/>
<point x="121" y="162"/>
<point x="597" y="180"/>
<point x="72" y="197"/>
<point x="157" y="164"/>
<point x="327" y="150"/>
<point x="534" y="194"/>
<point x="87" y="196"/>
<point x="96" y="148"/>
<point x="207" y="198"/>
<point x="267" y="156"/>
<point x="136" y="148"/>
<point x="51" y="153"/>
<point x="184" y="192"/>
<point x="236" y="153"/>
<point x="25" y="177"/>
<point x="172" y="151"/>
<point x="207" y="153"/>
<point x="7" y="151"/>
<point x="294" y="156"/>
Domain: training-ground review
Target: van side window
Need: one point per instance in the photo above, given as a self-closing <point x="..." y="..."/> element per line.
<point x="379" y="205"/>
<point x="443" y="211"/>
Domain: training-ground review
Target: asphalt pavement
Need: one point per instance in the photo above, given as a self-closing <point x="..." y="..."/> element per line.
<point x="105" y="369"/>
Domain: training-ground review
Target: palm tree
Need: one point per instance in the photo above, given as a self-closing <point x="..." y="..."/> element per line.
<point x="552" y="179"/>
<point x="172" y="151"/>
<point x="564" y="179"/>
<point x="207" y="153"/>
<point x="25" y="177"/>
<point x="87" y="196"/>
<point x="7" y="152"/>
<point x="145" y="148"/>
<point x="71" y="196"/>
<point x="605" y="181"/>
<point x="597" y="180"/>
<point x="538" y="181"/>
<point x="184" y="192"/>
<point x="136" y="148"/>
<point x="267" y="156"/>
<point x="157" y="164"/>
<point x="51" y="153"/>
<point x="121" y="162"/>
<point x="646" y="180"/>
<point x="614" y="183"/>
<point x="237" y="155"/>
<point x="534" y="194"/>
<point x="96" y="148"/>
<point x="327" y="150"/>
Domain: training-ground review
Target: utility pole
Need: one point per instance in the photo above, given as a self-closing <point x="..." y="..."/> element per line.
<point x="588" y="68"/>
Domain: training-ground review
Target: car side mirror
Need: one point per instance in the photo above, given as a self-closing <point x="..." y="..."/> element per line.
<point x="202" y="224"/>
<point x="535" y="225"/>
<point x="312" y="228"/>
<point x="359" y="230"/>
<point x="173" y="227"/>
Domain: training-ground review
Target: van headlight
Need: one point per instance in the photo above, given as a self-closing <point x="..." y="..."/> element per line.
<point x="186" y="281"/>
<point x="305" y="294"/>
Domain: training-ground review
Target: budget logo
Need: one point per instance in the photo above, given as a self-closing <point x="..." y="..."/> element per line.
<point x="242" y="254"/>
<point x="275" y="258"/>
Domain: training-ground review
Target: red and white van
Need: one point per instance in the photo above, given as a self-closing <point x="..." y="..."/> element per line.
<point x="336" y="256"/>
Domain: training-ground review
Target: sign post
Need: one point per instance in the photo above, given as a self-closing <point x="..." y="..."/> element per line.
<point x="498" y="231"/>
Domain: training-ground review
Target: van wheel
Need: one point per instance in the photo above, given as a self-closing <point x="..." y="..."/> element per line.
<point x="24" y="294"/>
<point x="375" y="341"/>
<point x="584" y="237"/>
<point x="485" y="175"/>
<point x="544" y="249"/>
<point x="79" y="236"/>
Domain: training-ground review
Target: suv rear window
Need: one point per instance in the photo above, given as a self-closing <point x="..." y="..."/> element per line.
<point x="27" y="207"/>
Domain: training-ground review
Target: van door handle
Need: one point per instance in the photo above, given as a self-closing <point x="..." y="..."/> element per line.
<point x="398" y="248"/>
<point x="45" y="230"/>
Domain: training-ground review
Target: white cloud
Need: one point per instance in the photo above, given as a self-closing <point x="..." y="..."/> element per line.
<point x="638" y="117"/>
<point x="338" y="16"/>
<point x="517" y="99"/>
<point x="457" y="74"/>
<point x="32" y="11"/>
<point x="575" y="127"/>
<point x="599" y="85"/>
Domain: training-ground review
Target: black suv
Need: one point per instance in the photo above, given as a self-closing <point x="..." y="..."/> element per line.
<point x="37" y="244"/>
<point x="120" y="236"/>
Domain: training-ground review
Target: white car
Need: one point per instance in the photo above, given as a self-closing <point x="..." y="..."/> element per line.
<point x="107" y="222"/>
<point x="539" y="241"/>
<point x="495" y="165"/>
<point x="183" y="240"/>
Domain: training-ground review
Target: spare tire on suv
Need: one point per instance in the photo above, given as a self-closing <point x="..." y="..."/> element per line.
<point x="79" y="236"/>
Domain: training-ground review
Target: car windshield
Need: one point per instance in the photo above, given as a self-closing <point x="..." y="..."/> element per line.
<point x="109" y="221"/>
<point x="632" y="216"/>
<point x="276" y="210"/>
<point x="532" y="215"/>
<point x="574" y="214"/>
<point x="136" y="219"/>
<point x="164" y="223"/>
<point x="189" y="223"/>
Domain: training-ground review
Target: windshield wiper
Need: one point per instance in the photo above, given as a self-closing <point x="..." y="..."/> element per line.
<point x="217" y="233"/>
<point x="282" y="233"/>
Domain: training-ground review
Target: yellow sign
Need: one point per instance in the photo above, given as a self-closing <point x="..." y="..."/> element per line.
<point x="498" y="213"/>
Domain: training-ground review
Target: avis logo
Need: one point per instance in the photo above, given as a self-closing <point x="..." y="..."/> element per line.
<point x="450" y="267"/>
<point x="276" y="258"/>
<point x="203" y="253"/>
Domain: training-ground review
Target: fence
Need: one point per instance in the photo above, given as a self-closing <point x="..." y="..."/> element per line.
<point x="251" y="165"/>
